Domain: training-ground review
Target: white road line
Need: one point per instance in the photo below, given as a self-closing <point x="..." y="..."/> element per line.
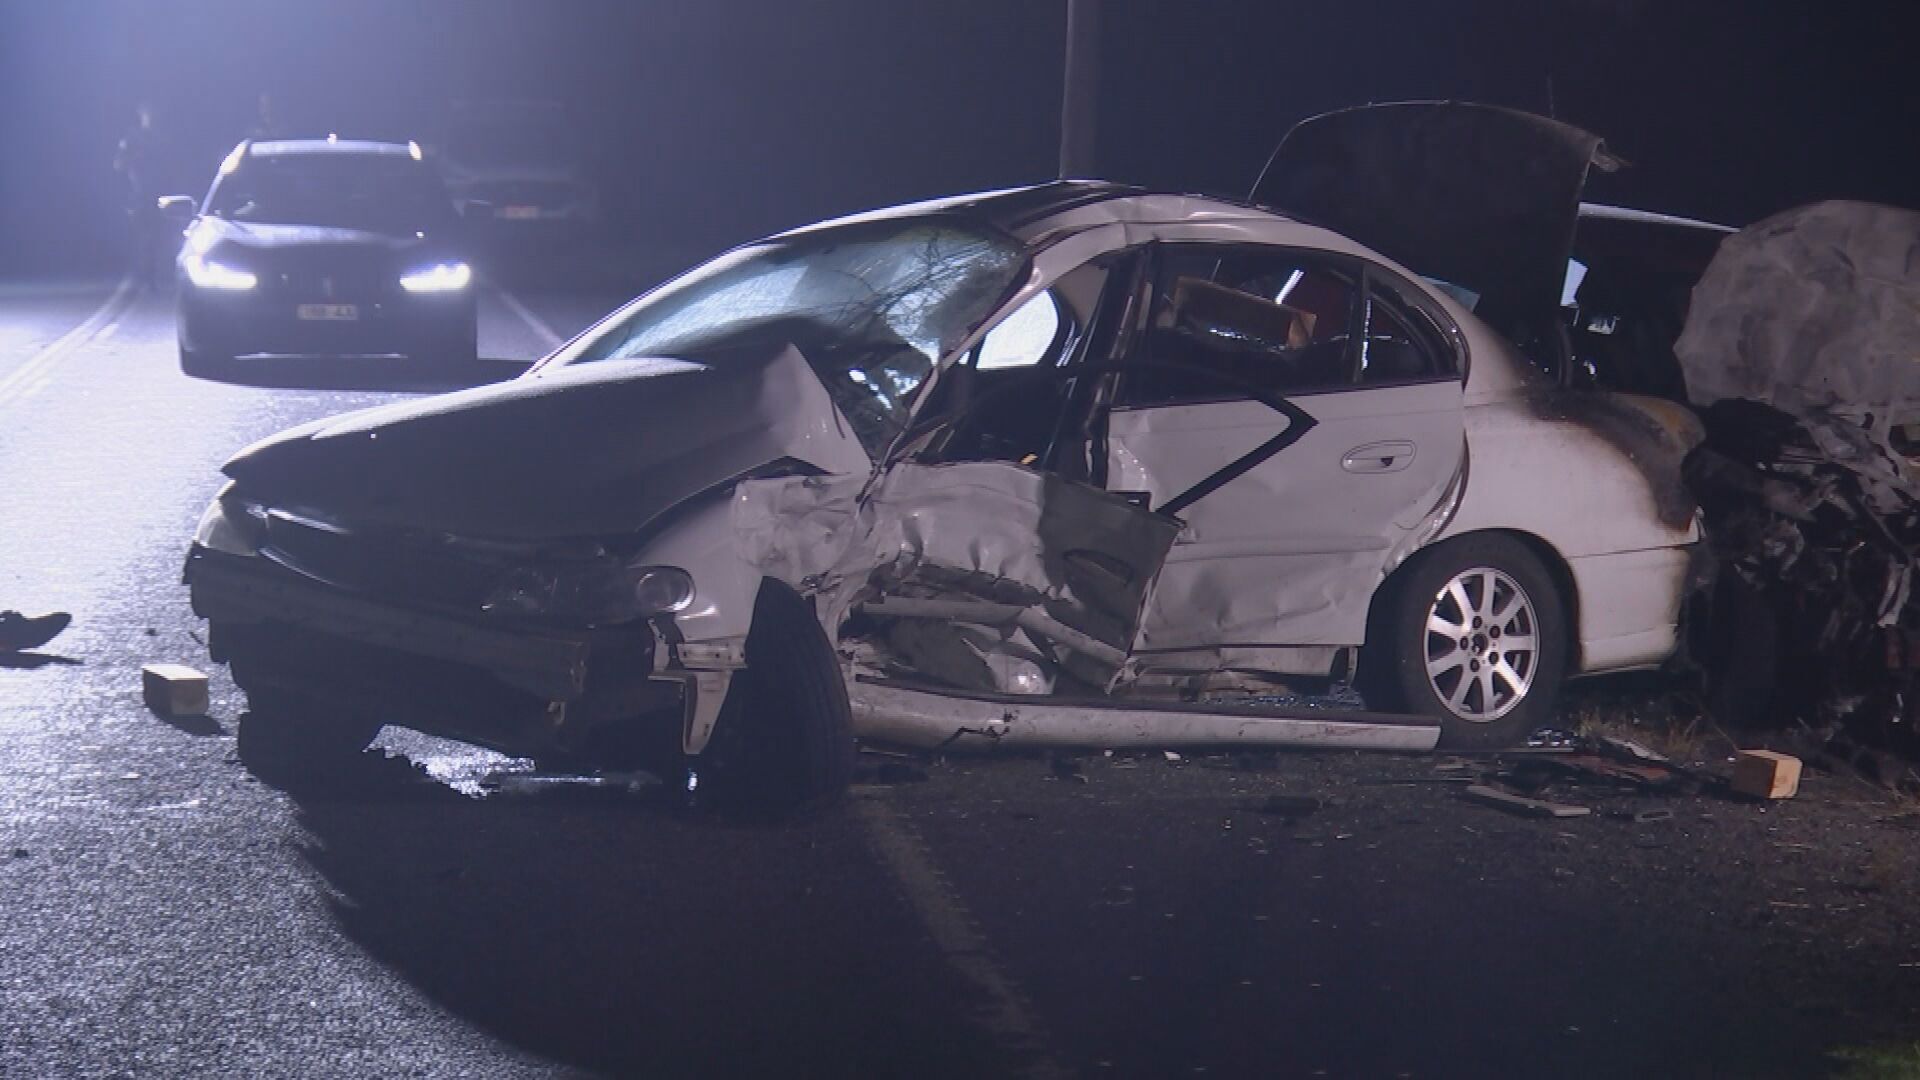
<point x="1004" y="1010"/>
<point x="43" y="361"/>
<point x="540" y="327"/>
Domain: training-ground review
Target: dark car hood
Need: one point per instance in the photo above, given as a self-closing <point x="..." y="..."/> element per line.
<point x="1478" y="196"/>
<point x="264" y="237"/>
<point x="598" y="449"/>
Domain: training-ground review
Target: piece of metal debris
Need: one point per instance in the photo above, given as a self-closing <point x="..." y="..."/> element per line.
<point x="531" y="783"/>
<point x="1520" y="804"/>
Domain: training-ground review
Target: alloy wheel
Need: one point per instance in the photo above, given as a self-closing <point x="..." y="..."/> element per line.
<point x="1482" y="644"/>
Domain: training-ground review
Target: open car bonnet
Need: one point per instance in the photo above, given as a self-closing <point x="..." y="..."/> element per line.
<point x="591" y="450"/>
<point x="1480" y="197"/>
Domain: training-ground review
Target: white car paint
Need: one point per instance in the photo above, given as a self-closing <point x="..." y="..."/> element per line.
<point x="1242" y="587"/>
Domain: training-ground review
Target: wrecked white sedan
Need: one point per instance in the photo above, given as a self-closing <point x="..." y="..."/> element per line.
<point x="1070" y="464"/>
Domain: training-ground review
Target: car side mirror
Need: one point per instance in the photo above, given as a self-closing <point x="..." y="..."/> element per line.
<point x="178" y="209"/>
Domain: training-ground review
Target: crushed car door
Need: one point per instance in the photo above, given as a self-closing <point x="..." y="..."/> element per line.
<point x="1302" y="414"/>
<point x="979" y="558"/>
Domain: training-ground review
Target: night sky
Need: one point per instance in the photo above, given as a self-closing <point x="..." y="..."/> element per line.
<point x="715" y="122"/>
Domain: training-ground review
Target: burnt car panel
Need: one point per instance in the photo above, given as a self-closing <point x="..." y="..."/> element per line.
<point x="1800" y="348"/>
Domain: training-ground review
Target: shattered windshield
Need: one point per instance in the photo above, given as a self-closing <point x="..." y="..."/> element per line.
<point x="872" y="307"/>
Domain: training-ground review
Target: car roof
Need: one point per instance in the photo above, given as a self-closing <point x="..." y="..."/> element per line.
<point x="1013" y="210"/>
<point x="328" y="145"/>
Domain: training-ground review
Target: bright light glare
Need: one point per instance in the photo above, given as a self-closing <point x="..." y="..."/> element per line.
<point x="444" y="277"/>
<point x="208" y="274"/>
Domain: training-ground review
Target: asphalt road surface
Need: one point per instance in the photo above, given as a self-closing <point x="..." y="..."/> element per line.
<point x="163" y="914"/>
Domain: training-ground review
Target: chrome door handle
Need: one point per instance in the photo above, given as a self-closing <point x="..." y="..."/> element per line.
<point x="1379" y="457"/>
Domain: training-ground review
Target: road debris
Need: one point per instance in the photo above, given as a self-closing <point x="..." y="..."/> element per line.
<point x="1062" y="768"/>
<point x="1765" y="774"/>
<point x="1291" y="807"/>
<point x="174" y="690"/>
<point x="536" y="783"/>
<point x="1520" y="804"/>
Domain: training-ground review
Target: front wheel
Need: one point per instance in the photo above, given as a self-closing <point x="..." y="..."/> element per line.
<point x="784" y="739"/>
<point x="1474" y="631"/>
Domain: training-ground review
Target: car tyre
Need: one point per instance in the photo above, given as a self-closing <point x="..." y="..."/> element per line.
<point x="294" y="740"/>
<point x="784" y="739"/>
<point x="1474" y="632"/>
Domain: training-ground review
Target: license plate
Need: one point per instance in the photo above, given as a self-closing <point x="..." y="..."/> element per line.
<point x="519" y="211"/>
<point x="328" y="312"/>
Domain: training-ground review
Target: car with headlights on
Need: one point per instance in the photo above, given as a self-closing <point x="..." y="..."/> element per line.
<point x="1068" y="465"/>
<point x="335" y="247"/>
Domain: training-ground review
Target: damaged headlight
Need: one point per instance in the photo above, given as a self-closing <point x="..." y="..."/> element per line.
<point x="233" y="523"/>
<point x="593" y="593"/>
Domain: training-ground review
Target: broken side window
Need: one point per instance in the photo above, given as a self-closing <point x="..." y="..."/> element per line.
<point x="1226" y="320"/>
<point x="1024" y="338"/>
<point x="1009" y="400"/>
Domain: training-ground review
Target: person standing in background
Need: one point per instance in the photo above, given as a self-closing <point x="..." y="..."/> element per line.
<point x="266" y="123"/>
<point x="141" y="162"/>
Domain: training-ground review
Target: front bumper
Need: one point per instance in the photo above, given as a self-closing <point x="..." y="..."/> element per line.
<point x="239" y="323"/>
<point x="517" y="689"/>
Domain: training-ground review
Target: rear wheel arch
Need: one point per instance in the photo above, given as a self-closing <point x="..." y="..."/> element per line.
<point x="1398" y="670"/>
<point x="1555" y="563"/>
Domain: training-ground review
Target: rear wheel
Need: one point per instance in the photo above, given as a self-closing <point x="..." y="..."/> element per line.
<point x="784" y="739"/>
<point x="1475" y="633"/>
<point x="288" y="738"/>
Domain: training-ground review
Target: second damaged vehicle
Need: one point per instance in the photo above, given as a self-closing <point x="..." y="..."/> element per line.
<point x="1070" y="464"/>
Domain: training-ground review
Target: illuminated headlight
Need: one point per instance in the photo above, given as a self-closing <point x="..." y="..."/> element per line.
<point x="207" y="274"/>
<point x="441" y="277"/>
<point x="596" y="593"/>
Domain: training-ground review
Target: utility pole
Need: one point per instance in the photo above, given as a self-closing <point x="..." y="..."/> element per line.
<point x="1079" y="98"/>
